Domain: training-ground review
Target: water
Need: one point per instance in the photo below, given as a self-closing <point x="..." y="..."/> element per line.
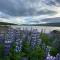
<point x="46" y="29"/>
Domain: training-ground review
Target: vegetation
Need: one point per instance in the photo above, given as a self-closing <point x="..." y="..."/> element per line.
<point x="12" y="52"/>
<point x="53" y="52"/>
<point x="55" y="43"/>
<point x="1" y="51"/>
<point x="5" y="23"/>
<point x="36" y="53"/>
<point x="26" y="48"/>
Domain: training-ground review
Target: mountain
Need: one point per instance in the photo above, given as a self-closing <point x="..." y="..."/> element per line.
<point x="5" y="23"/>
<point x="47" y="24"/>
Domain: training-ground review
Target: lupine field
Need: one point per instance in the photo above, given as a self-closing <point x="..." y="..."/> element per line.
<point x="17" y="44"/>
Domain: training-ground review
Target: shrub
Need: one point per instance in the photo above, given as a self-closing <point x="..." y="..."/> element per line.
<point x="37" y="53"/>
<point x="1" y="51"/>
<point x="53" y="52"/>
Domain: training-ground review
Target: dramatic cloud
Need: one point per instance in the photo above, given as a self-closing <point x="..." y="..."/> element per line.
<point x="52" y="20"/>
<point x="28" y="11"/>
<point x="58" y="1"/>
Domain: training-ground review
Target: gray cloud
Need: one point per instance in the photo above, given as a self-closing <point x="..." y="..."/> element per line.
<point x="10" y="9"/>
<point x="52" y="20"/>
<point x="46" y="12"/>
<point x="58" y="1"/>
<point x="49" y="2"/>
<point x="3" y="15"/>
<point x="23" y="7"/>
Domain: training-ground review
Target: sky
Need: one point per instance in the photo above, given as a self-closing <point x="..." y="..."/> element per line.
<point x="30" y="11"/>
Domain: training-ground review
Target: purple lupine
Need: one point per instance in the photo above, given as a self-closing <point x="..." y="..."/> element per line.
<point x="35" y="38"/>
<point x="2" y="38"/>
<point x="9" y="38"/>
<point x="57" y="57"/>
<point x="18" y="41"/>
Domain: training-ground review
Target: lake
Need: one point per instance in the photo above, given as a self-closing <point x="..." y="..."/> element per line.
<point x="46" y="29"/>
